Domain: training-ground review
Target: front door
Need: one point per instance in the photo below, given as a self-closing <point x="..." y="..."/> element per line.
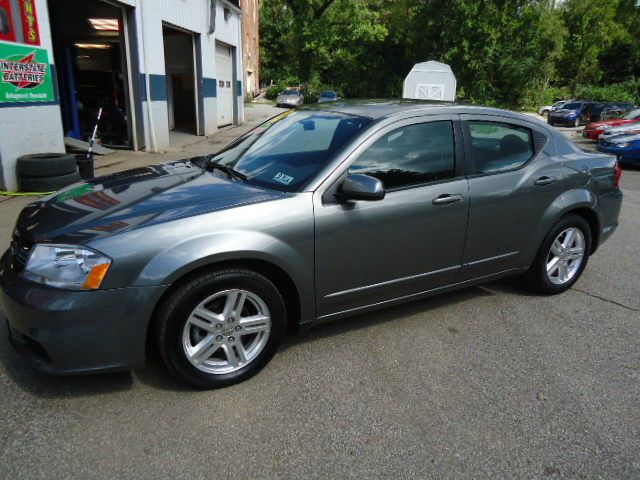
<point x="411" y="241"/>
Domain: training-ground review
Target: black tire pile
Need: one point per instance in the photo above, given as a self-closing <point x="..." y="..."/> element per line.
<point x="46" y="172"/>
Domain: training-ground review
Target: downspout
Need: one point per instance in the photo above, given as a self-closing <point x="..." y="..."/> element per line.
<point x="152" y="131"/>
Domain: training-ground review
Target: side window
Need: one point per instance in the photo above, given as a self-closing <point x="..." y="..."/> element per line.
<point x="498" y="147"/>
<point x="409" y="155"/>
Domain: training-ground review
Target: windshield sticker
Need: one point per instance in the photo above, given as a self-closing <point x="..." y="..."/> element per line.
<point x="282" y="178"/>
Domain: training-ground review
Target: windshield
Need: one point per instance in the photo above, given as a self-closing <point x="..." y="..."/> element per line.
<point x="572" y="106"/>
<point x="291" y="92"/>
<point x="633" y="114"/>
<point x="558" y="104"/>
<point x="285" y="152"/>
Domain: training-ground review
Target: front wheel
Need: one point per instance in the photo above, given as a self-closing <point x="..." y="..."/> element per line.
<point x="562" y="257"/>
<point x="221" y="328"/>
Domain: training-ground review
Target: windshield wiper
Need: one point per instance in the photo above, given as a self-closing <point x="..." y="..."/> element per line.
<point x="232" y="172"/>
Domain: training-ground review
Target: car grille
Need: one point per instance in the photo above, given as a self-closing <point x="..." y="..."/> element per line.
<point x="19" y="250"/>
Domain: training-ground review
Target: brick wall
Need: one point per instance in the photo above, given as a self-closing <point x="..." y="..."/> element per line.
<point x="251" y="44"/>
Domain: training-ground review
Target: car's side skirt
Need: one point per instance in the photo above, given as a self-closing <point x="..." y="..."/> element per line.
<point x="411" y="297"/>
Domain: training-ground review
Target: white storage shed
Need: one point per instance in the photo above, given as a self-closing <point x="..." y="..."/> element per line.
<point x="430" y="81"/>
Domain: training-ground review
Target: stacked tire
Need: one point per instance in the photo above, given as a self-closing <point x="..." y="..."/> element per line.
<point x="46" y="172"/>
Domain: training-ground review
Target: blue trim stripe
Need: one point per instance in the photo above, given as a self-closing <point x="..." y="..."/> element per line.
<point x="158" y="85"/>
<point x="209" y="87"/>
<point x="239" y="88"/>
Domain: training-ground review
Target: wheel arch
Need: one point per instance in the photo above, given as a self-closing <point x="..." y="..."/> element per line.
<point x="274" y="273"/>
<point x="591" y="217"/>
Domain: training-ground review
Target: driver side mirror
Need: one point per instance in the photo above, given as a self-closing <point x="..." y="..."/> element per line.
<point x="361" y="187"/>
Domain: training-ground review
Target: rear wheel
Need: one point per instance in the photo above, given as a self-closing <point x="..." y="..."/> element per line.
<point x="221" y="328"/>
<point x="562" y="257"/>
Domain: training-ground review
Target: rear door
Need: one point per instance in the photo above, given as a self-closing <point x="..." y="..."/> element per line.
<point x="514" y="177"/>
<point x="411" y="241"/>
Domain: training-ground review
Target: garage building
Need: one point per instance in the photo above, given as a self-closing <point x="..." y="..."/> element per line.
<point x="162" y="70"/>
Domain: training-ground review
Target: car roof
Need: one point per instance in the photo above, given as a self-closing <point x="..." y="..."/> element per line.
<point x="376" y="109"/>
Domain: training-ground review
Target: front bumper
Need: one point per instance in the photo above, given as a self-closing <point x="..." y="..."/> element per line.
<point x="562" y="121"/>
<point x="592" y="134"/>
<point x="65" y="332"/>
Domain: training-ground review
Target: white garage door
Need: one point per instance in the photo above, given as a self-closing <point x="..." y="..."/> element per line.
<point x="224" y="66"/>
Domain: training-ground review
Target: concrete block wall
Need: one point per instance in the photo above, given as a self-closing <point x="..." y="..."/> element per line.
<point x="29" y="129"/>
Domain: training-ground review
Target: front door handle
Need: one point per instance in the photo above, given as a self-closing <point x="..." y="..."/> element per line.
<point x="542" y="181"/>
<point x="446" y="199"/>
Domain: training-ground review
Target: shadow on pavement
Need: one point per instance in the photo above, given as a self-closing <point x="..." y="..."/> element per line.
<point x="156" y="375"/>
<point x="390" y="314"/>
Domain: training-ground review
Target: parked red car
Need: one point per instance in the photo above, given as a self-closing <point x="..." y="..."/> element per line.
<point x="594" y="129"/>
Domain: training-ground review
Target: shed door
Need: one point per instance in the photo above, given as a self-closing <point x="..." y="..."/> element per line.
<point x="225" y="85"/>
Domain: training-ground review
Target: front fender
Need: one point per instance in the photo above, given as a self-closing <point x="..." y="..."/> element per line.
<point x="192" y="253"/>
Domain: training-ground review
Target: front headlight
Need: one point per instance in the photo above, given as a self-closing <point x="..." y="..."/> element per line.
<point x="66" y="266"/>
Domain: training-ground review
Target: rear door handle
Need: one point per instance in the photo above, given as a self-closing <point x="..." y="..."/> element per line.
<point x="446" y="199"/>
<point x="545" y="181"/>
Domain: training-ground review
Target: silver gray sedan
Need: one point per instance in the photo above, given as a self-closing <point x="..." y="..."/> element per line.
<point x="290" y="98"/>
<point x="313" y="216"/>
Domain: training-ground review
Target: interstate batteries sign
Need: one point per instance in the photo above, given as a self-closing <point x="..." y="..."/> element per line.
<point x="26" y="74"/>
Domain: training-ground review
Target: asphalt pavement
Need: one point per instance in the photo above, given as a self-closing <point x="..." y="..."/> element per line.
<point x="486" y="382"/>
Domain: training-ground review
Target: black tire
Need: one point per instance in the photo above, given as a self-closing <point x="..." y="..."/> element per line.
<point x="550" y="123"/>
<point x="537" y="277"/>
<point x="45" y="165"/>
<point x="50" y="184"/>
<point x="175" y="311"/>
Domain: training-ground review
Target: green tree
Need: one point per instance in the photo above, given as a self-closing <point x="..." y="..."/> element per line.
<point x="592" y="29"/>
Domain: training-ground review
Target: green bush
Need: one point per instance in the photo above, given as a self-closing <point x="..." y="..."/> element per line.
<point x="617" y="92"/>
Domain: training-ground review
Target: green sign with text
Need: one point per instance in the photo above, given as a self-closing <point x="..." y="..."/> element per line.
<point x="26" y="74"/>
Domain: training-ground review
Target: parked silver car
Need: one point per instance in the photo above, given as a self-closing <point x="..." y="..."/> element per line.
<point x="313" y="216"/>
<point x="546" y="109"/>
<point x="290" y="98"/>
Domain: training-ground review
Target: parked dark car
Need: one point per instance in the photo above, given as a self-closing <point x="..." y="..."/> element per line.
<point x="328" y="97"/>
<point x="625" y="147"/>
<point x="603" y="110"/>
<point x="569" y="115"/>
<point x="313" y="216"/>
<point x="616" y="110"/>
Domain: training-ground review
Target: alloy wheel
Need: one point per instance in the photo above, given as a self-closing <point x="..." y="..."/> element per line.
<point x="226" y="331"/>
<point x="565" y="256"/>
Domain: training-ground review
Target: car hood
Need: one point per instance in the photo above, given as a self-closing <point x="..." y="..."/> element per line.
<point x="601" y="124"/>
<point x="132" y="199"/>
<point x="632" y="137"/>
